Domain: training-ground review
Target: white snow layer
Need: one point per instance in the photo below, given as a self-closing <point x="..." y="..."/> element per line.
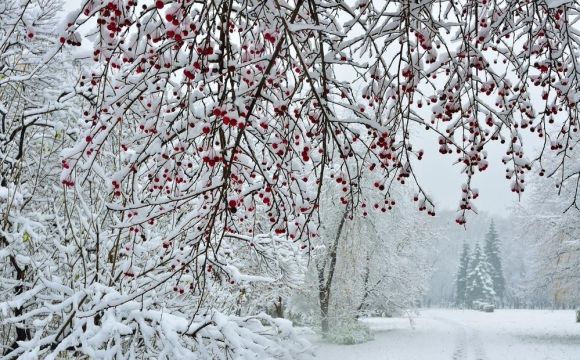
<point x="466" y="335"/>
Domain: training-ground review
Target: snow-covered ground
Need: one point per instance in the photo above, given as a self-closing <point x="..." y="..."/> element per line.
<point x="466" y="335"/>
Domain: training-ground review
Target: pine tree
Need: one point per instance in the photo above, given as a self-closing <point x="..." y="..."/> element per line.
<point x="493" y="253"/>
<point x="479" y="285"/>
<point x="461" y="275"/>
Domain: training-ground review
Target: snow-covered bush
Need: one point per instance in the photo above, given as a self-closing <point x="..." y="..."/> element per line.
<point x="350" y="332"/>
<point x="488" y="308"/>
<point x="303" y="305"/>
<point x="39" y="115"/>
<point x="482" y="306"/>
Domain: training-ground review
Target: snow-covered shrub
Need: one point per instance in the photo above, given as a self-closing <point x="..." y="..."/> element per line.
<point x="482" y="306"/>
<point x="303" y="308"/>
<point x="38" y="116"/>
<point x="488" y="308"/>
<point x="350" y="332"/>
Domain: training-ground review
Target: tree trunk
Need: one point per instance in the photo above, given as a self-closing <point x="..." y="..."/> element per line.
<point x="279" y="308"/>
<point x="323" y="298"/>
<point x="324" y="314"/>
<point x="22" y="333"/>
<point x="324" y="285"/>
<point x="365" y="285"/>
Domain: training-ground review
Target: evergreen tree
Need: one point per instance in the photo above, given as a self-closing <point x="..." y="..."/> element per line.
<point x="493" y="253"/>
<point x="479" y="285"/>
<point x="461" y="275"/>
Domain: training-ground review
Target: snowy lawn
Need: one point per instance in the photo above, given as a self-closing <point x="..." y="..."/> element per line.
<point x="466" y="335"/>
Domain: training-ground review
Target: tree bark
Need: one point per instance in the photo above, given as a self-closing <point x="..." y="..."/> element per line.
<point x="324" y="285"/>
<point x="279" y="308"/>
<point x="365" y="284"/>
<point x="22" y="333"/>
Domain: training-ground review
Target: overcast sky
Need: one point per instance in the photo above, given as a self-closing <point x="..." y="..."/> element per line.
<point x="443" y="180"/>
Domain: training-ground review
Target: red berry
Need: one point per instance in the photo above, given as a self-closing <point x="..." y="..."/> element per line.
<point x="159" y="4"/>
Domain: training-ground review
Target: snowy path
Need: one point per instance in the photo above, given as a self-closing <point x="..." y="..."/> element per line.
<point x="468" y="344"/>
<point x="467" y="335"/>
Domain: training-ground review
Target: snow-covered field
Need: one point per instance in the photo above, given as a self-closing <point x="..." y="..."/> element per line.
<point x="466" y="335"/>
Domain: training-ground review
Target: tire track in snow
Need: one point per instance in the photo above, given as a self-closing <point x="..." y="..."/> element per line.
<point x="465" y="343"/>
<point x="477" y="344"/>
<point x="460" y="352"/>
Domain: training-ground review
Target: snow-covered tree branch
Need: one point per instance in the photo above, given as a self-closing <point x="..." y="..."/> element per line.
<point x="158" y="193"/>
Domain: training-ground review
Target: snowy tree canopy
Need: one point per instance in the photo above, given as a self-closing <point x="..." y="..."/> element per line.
<point x="479" y="283"/>
<point x="461" y="275"/>
<point x="492" y="250"/>
<point x="551" y="229"/>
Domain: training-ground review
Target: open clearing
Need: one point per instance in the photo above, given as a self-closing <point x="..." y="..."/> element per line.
<point x="466" y="335"/>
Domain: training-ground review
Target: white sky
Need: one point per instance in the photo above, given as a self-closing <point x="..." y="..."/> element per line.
<point x="443" y="180"/>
